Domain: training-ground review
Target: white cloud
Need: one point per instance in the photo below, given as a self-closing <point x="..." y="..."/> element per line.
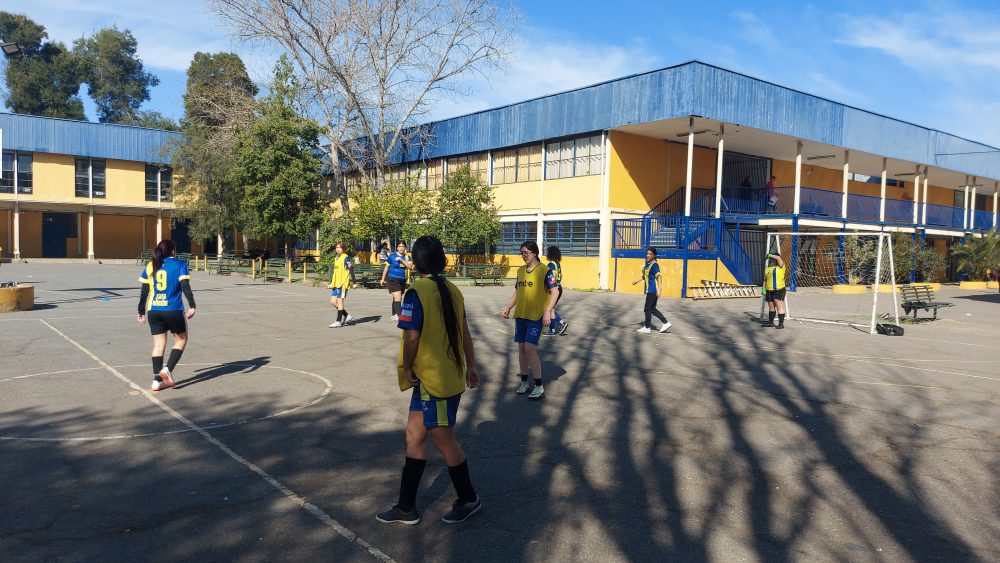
<point x="756" y="31"/>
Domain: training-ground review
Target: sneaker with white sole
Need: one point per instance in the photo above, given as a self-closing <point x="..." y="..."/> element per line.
<point x="548" y="333"/>
<point x="167" y="380"/>
<point x="394" y="317"/>
<point x="157" y="385"/>
<point x="562" y="327"/>
<point x="348" y="319"/>
<point x="335" y="324"/>
<point x="395" y="515"/>
<point x="644" y="330"/>
<point x="537" y="392"/>
<point x="460" y="511"/>
<point x="523" y="388"/>
<point x="666" y="326"/>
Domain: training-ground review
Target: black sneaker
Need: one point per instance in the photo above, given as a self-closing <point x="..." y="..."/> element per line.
<point x="460" y="511"/>
<point x="767" y="324"/>
<point x="780" y="326"/>
<point x="394" y="514"/>
<point x="562" y="328"/>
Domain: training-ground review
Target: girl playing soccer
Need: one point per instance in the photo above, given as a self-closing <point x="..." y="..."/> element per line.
<point x="163" y="281"/>
<point x="652" y="286"/>
<point x="535" y="303"/>
<point x="341" y="276"/>
<point x="554" y="256"/>
<point x="437" y="360"/>
<point x="394" y="276"/>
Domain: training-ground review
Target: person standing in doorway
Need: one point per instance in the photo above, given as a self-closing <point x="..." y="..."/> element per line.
<point x="164" y="280"/>
<point x="774" y="290"/>
<point x="394" y="276"/>
<point x="652" y="287"/>
<point x="554" y="256"/>
<point x="341" y="278"/>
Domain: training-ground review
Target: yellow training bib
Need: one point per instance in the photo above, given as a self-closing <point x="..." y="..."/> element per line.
<point x="532" y="295"/>
<point x="434" y="364"/>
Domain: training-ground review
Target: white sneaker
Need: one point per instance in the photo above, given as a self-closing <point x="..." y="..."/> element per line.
<point x="335" y="324"/>
<point x="348" y="319"/>
<point x="394" y="317"/>
<point x="644" y="330"/>
<point x="523" y="388"/>
<point x="156" y="386"/>
<point x="666" y="326"/>
<point x="537" y="392"/>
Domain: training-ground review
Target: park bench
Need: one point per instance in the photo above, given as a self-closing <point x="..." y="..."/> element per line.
<point x="298" y="262"/>
<point x="273" y="268"/>
<point x="144" y="257"/>
<point x="368" y="275"/>
<point x="484" y="274"/>
<point x="226" y="264"/>
<point x="917" y="297"/>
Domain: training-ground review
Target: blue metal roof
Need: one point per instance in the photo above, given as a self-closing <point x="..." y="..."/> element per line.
<point x="82" y="138"/>
<point x="699" y="89"/>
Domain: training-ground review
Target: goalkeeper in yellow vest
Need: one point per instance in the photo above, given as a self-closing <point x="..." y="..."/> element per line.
<point x="436" y="360"/>
<point x="774" y="290"/>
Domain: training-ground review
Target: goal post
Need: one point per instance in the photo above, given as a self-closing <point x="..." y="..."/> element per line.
<point x="837" y="277"/>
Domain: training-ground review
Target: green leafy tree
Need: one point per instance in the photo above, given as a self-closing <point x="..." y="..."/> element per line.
<point x="44" y="79"/>
<point x="156" y="120"/>
<point x="977" y="254"/>
<point x="909" y="254"/>
<point x="398" y="211"/>
<point x="465" y="214"/>
<point x="115" y="77"/>
<point x="275" y="167"/>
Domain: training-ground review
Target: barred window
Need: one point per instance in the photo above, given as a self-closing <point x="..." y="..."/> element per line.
<point x="574" y="238"/>
<point x="90" y="177"/>
<point x="517" y="165"/>
<point x="514" y="233"/>
<point x="582" y="156"/>
<point x="435" y="173"/>
<point x="477" y="164"/>
<point x="158" y="181"/>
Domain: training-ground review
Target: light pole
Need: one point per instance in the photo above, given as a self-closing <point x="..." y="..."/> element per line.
<point x="10" y="49"/>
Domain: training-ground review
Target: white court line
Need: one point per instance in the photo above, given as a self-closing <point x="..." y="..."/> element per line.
<point x="288" y="493"/>
<point x="47" y="373"/>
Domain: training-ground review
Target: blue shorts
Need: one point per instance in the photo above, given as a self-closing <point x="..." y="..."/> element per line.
<point x="527" y="331"/>
<point x="338" y="292"/>
<point x="437" y="412"/>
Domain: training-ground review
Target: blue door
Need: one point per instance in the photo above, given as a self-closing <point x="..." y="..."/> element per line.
<point x="56" y="228"/>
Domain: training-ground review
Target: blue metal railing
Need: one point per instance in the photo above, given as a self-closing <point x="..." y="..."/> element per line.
<point x="735" y="258"/>
<point x="944" y="216"/>
<point x="983" y="220"/>
<point x="628" y="233"/>
<point x="898" y="211"/>
<point x="864" y="207"/>
<point x="702" y="203"/>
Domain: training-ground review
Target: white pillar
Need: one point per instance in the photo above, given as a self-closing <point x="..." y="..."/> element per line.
<point x="798" y="177"/>
<point x="17" y="231"/>
<point x="846" y="182"/>
<point x="159" y="225"/>
<point x="965" y="205"/>
<point x="690" y="169"/>
<point x="916" y="196"/>
<point x="996" y="189"/>
<point x="90" y="233"/>
<point x="604" y="250"/>
<point x="923" y="218"/>
<point x="881" y="201"/>
<point x="220" y="244"/>
<point x="718" y="171"/>
<point x="972" y="206"/>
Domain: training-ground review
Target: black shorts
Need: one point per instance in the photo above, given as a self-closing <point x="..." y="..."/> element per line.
<point x="776" y="295"/>
<point x="162" y="321"/>
<point x="395" y="284"/>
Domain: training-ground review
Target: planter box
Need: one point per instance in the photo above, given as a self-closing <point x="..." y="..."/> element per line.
<point x="973" y="285"/>
<point x="19" y="298"/>
<point x="850" y="289"/>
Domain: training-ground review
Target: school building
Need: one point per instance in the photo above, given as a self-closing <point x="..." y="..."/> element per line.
<point x="680" y="158"/>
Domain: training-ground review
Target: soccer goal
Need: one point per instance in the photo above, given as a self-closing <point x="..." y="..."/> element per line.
<point x="835" y="277"/>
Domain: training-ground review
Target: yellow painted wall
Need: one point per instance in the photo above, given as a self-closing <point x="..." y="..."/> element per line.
<point x="126" y="183"/>
<point x="117" y="236"/>
<point x="638" y="171"/>
<point x="31" y="234"/>
<point x="572" y="193"/>
<point x="53" y="177"/>
<point x="672" y="270"/>
<point x="519" y="196"/>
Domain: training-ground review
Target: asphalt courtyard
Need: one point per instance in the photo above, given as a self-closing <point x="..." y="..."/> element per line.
<point x="720" y="441"/>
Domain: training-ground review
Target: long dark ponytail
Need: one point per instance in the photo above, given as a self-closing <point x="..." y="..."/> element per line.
<point x="162" y="251"/>
<point x="428" y="258"/>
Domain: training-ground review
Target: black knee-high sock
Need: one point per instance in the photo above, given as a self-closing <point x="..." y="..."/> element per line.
<point x="462" y="481"/>
<point x="396" y="307"/>
<point x="157" y="366"/>
<point x="413" y="470"/>
<point x="340" y="314"/>
<point x="175" y="356"/>
<point x="770" y="316"/>
<point x="781" y="319"/>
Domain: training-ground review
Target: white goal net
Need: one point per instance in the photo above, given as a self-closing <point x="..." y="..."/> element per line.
<point x="834" y="277"/>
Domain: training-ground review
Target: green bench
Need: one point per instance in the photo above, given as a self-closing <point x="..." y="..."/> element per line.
<point x="484" y="274"/>
<point x="144" y="257"/>
<point x="916" y="297"/>
<point x="368" y="275"/>
<point x="225" y="264"/>
<point x="274" y="268"/>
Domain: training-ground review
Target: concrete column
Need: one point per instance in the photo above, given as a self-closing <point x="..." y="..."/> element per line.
<point x="798" y="178"/>
<point x="90" y="233"/>
<point x="916" y="196"/>
<point x="220" y="243"/>
<point x="604" y="251"/>
<point x="689" y="174"/>
<point x="965" y="205"/>
<point x="17" y="231"/>
<point x="972" y="207"/>
<point x="923" y="218"/>
<point x="845" y="183"/>
<point x="996" y="189"/>
<point x="159" y="225"/>
<point x="718" y="171"/>
<point x="881" y="202"/>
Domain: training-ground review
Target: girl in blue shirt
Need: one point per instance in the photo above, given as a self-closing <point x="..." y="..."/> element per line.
<point x="652" y="287"/>
<point x="164" y="280"/>
<point x="394" y="276"/>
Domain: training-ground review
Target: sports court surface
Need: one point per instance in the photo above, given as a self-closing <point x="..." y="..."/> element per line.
<point x="721" y="441"/>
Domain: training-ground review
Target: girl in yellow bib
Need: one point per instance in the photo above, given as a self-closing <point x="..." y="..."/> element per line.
<point x="535" y="303"/>
<point x="341" y="277"/>
<point x="774" y="290"/>
<point x="436" y="360"/>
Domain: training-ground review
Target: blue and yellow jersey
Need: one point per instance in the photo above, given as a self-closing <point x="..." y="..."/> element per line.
<point x="396" y="268"/>
<point x="165" y="285"/>
<point x="556" y="269"/>
<point x="650" y="277"/>
<point x="774" y="278"/>
<point x="434" y="364"/>
<point x="340" y="274"/>
<point x="532" y="292"/>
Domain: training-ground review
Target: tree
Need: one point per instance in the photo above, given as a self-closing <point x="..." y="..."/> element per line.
<point x="274" y="165"/>
<point x="399" y="211"/>
<point x="977" y="254"/>
<point x="911" y="254"/>
<point x="45" y="78"/>
<point x="218" y="103"/>
<point x="156" y="120"/>
<point x="465" y="214"/>
<point x="114" y="75"/>
<point x="372" y="69"/>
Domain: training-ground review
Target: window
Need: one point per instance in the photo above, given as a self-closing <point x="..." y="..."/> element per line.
<point x="16" y="171"/>
<point x="514" y="233"/>
<point x="158" y="180"/>
<point x="873" y="179"/>
<point x="476" y="162"/>
<point x="90" y="173"/>
<point x="517" y="165"/>
<point x="574" y="238"/>
<point x="166" y="183"/>
<point x="582" y="156"/>
<point x="435" y="173"/>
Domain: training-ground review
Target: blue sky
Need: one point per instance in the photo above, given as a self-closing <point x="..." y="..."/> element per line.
<point x="934" y="63"/>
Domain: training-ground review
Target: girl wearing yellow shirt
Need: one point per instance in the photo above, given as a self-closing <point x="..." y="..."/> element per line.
<point x="341" y="277"/>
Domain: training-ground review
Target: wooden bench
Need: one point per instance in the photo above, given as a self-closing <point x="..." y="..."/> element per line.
<point x="484" y="274"/>
<point x="274" y="268"/>
<point x="225" y="264"/>
<point x="917" y="297"/>
<point x="367" y="275"/>
<point x="144" y="257"/>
